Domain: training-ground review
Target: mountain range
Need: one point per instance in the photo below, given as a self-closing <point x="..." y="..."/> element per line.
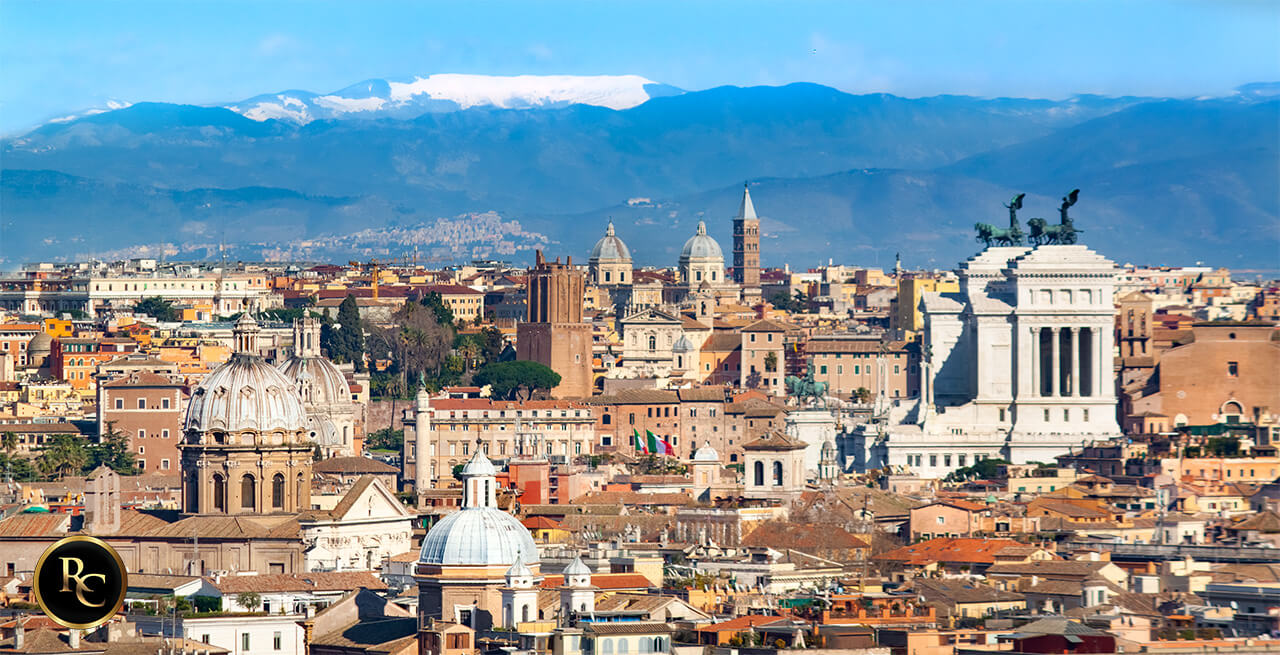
<point x="381" y="168"/>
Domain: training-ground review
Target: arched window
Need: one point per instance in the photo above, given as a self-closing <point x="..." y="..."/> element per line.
<point x="524" y="613"/>
<point x="277" y="491"/>
<point x="759" y="474"/>
<point x="623" y="646"/>
<point x="219" y="493"/>
<point x="653" y="342"/>
<point x="608" y="647"/>
<point x="248" y="492"/>
<point x="777" y="474"/>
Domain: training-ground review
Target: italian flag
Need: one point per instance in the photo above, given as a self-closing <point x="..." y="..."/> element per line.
<point x="658" y="445"/>
<point x="640" y="444"/>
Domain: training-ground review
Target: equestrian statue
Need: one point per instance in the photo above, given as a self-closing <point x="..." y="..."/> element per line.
<point x="807" y="388"/>
<point x="1064" y="232"/>
<point x="989" y="234"/>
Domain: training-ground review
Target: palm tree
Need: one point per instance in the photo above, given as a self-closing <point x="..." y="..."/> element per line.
<point x="470" y="351"/>
<point x="9" y="441"/>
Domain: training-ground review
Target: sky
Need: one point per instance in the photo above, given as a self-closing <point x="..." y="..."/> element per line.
<point x="60" y="57"/>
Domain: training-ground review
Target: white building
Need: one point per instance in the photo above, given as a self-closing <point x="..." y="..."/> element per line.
<point x="367" y="526"/>
<point x="274" y="634"/>
<point x="1016" y="365"/>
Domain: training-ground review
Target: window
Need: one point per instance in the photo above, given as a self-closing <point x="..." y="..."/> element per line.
<point x="276" y="641"/>
<point x="1233" y="369"/>
<point x="164" y="403"/>
<point x="119" y="403"/>
<point x="1002" y="416"/>
<point x="942" y="520"/>
<point x="248" y="492"/>
<point x="933" y="460"/>
<point x="164" y="465"/>
<point x="142" y="403"/>
<point x="1086" y="415"/>
<point x="1066" y="414"/>
<point x="963" y="459"/>
<point x="142" y="434"/>
<point x="758" y="471"/>
<point x="1046" y="415"/>
<point x="606" y="419"/>
<point x="244" y="641"/>
<point x="277" y="491"/>
<point x="219" y="493"/>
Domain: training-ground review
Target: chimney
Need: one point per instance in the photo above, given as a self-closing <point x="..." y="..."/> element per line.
<point x="19" y="635"/>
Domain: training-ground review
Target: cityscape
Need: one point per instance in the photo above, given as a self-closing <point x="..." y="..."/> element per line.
<point x="528" y="353"/>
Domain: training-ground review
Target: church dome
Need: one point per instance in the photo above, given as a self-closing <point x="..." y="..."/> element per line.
<point x="317" y="380"/>
<point x="683" y="345"/>
<point x="701" y="246"/>
<point x="479" y="534"/>
<point x="245" y="393"/>
<point x="610" y="248"/>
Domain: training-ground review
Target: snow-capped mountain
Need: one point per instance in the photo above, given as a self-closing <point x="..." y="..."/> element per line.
<point x="453" y="92"/>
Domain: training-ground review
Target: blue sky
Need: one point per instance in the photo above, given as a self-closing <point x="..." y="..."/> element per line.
<point x="59" y="57"/>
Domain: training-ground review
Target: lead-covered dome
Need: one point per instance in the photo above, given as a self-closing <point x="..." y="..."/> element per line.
<point x="479" y="534"/>
<point x="610" y="248"/>
<point x="701" y="246"/>
<point x="245" y="393"/>
<point x="317" y="380"/>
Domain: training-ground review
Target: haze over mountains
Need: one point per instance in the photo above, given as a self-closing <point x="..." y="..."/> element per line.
<point x="382" y="168"/>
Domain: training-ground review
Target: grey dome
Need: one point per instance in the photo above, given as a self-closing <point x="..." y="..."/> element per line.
<point x="41" y="343"/>
<point x="701" y="246"/>
<point x="577" y="567"/>
<point x="317" y="380"/>
<point x="706" y="453"/>
<point x="479" y="465"/>
<point x="478" y="536"/>
<point x="246" y="393"/>
<point x="682" y="345"/>
<point x="610" y="248"/>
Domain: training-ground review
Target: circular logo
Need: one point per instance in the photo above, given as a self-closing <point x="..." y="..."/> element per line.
<point x="80" y="582"/>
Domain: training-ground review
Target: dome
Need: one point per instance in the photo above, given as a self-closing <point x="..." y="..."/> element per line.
<point x="682" y="345"/>
<point x="326" y="385"/>
<point x="245" y="393"/>
<point x="479" y="465"/>
<point x="610" y="248"/>
<point x="701" y="246"/>
<point x="706" y="453"/>
<point x="519" y="570"/>
<point x="478" y="536"/>
<point x="576" y="567"/>
<point x="42" y="343"/>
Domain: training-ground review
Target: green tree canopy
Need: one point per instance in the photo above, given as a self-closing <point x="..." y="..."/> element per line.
<point x="985" y="469"/>
<point x="435" y="302"/>
<point x="509" y="379"/>
<point x="112" y="451"/>
<point x="344" y="340"/>
<point x="157" y="308"/>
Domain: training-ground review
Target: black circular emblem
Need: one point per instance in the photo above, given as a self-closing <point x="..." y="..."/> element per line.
<point x="80" y="582"/>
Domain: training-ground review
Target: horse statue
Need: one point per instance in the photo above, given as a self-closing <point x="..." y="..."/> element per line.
<point x="807" y="388"/>
<point x="1064" y="232"/>
<point x="989" y="234"/>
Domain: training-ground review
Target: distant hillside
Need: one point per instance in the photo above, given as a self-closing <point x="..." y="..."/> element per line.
<point x="1168" y="180"/>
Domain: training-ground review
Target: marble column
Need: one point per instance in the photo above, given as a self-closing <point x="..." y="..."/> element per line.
<point x="1055" y="378"/>
<point x="1095" y="353"/>
<point x="1074" y="340"/>
<point x="1035" y="362"/>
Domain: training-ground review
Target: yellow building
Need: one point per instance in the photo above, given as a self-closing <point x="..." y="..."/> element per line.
<point x="59" y="328"/>
<point x="907" y="317"/>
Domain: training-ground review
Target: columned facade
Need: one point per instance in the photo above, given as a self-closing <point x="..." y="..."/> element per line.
<point x="1016" y="365"/>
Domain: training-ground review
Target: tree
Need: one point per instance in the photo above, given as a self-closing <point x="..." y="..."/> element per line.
<point x="250" y="600"/>
<point x="62" y="455"/>
<point x="771" y="361"/>
<point x="984" y="469"/>
<point x="157" y="308"/>
<point x="469" y="350"/>
<point x="9" y="441"/>
<point x="435" y="302"/>
<point x="344" y="341"/>
<point x="491" y="343"/>
<point x="785" y="301"/>
<point x="385" y="439"/>
<point x="418" y="344"/>
<point x="508" y="379"/>
<point x="112" y="450"/>
<point x="863" y="394"/>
